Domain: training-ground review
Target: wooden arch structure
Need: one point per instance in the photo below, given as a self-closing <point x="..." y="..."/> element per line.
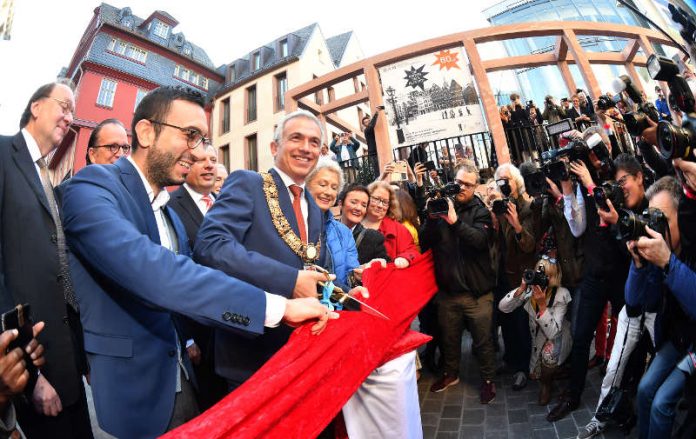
<point x="567" y="51"/>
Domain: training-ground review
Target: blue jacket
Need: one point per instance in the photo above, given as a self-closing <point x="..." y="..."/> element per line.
<point x="128" y="288"/>
<point x="344" y="254"/>
<point x="352" y="147"/>
<point x="662" y="107"/>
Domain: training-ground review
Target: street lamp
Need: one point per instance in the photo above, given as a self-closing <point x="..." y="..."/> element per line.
<point x="392" y="100"/>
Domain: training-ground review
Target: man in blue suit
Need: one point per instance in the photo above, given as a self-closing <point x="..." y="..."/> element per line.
<point x="240" y="236"/>
<point x="131" y="273"/>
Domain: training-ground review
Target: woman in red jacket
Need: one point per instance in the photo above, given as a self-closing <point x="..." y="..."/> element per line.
<point x="382" y="215"/>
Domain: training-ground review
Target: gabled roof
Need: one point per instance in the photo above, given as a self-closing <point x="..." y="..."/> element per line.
<point x="270" y="55"/>
<point x="124" y="20"/>
<point x="337" y="46"/>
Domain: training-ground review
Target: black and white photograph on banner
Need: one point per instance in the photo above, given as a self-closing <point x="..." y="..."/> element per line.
<point x="431" y="97"/>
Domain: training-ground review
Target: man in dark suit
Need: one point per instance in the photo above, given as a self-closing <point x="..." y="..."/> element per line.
<point x="34" y="268"/>
<point x="132" y="273"/>
<point x="191" y="202"/>
<point x="240" y="237"/>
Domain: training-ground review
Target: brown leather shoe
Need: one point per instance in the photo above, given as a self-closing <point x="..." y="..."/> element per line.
<point x="565" y="405"/>
<point x="443" y="383"/>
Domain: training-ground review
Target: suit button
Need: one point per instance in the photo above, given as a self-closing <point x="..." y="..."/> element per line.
<point x="246" y="321"/>
<point x="227" y="316"/>
<point x="54" y="238"/>
<point x="172" y="353"/>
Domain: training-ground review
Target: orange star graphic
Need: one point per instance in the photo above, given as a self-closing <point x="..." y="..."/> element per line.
<point x="446" y="60"/>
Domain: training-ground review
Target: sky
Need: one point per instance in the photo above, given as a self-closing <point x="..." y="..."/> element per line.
<point x="45" y="34"/>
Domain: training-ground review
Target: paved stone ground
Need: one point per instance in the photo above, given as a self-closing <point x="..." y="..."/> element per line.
<point x="457" y="412"/>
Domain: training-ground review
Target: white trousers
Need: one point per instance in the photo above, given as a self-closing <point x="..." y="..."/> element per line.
<point x="385" y="406"/>
<point x="632" y="336"/>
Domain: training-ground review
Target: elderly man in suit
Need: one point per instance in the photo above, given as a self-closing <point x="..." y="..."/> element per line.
<point x="133" y="273"/>
<point x="107" y="143"/>
<point x="265" y="229"/>
<point x="34" y="265"/>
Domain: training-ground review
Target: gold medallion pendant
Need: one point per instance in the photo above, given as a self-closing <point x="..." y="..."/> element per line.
<point x="308" y="252"/>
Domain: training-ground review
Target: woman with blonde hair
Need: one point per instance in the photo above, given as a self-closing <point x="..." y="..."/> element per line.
<point x="383" y="215"/>
<point x="546" y="303"/>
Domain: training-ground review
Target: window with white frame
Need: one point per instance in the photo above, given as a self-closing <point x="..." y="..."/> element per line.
<point x="161" y="29"/>
<point x="257" y="61"/>
<point x="190" y="76"/>
<point x="128" y="50"/>
<point x="107" y="91"/>
<point x="139" y="95"/>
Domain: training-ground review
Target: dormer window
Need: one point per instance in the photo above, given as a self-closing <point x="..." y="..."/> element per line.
<point x="187" y="50"/>
<point x="257" y="61"/>
<point x="283" y="48"/>
<point x="161" y="30"/>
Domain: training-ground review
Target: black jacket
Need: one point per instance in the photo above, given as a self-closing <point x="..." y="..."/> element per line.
<point x="371" y="245"/>
<point x="461" y="250"/>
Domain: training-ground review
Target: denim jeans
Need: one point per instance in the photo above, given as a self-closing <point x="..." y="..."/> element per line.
<point x="658" y="393"/>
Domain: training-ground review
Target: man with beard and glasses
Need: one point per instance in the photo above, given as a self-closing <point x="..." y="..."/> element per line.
<point x="132" y="274"/>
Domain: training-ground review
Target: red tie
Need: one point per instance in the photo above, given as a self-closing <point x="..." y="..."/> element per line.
<point x="296" y="191"/>
<point x="208" y="202"/>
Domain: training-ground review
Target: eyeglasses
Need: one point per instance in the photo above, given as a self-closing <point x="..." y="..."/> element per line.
<point x="550" y="259"/>
<point x="379" y="201"/>
<point x="114" y="147"/>
<point x="65" y="106"/>
<point x="622" y="181"/>
<point x="465" y="185"/>
<point x="193" y="136"/>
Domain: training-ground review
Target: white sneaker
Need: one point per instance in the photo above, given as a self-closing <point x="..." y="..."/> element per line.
<point x="592" y="429"/>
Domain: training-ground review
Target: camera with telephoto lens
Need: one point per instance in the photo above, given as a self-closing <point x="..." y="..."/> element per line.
<point x="535" y="183"/>
<point x="609" y="190"/>
<point x="536" y="277"/>
<point x="438" y="198"/>
<point x="500" y="206"/>
<point x="632" y="225"/>
<point x="556" y="169"/>
<point x="675" y="142"/>
<point x="636" y="121"/>
<point x="605" y="102"/>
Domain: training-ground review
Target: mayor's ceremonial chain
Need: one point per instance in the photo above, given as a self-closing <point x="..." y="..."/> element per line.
<point x="307" y="252"/>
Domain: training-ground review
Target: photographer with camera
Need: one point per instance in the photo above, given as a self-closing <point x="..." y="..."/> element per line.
<point x="662" y="105"/>
<point x="459" y="238"/>
<point x="516" y="242"/>
<point x="546" y="302"/>
<point x="552" y="112"/>
<point x="606" y="270"/>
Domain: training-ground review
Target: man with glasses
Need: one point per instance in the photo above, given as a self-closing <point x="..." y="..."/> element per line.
<point x="460" y="241"/>
<point x="132" y="274"/>
<point x="34" y="265"/>
<point x="107" y="143"/>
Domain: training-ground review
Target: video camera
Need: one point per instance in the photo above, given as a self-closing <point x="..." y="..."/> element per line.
<point x="675" y="142"/>
<point x="556" y="169"/>
<point x="636" y="121"/>
<point x="438" y="198"/>
<point x="536" y="277"/>
<point x="632" y="226"/>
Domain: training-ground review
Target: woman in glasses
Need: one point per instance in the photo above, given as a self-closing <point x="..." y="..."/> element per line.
<point x="382" y="215"/>
<point x="546" y="302"/>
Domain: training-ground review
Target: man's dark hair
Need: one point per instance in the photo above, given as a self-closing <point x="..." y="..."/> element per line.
<point x="365" y="117"/>
<point x="353" y="187"/>
<point x="94" y="137"/>
<point x="156" y="104"/>
<point x="627" y="163"/>
<point x="41" y="93"/>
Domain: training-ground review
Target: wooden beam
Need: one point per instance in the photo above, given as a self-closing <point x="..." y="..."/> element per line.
<point x="567" y="77"/>
<point x="345" y="102"/>
<point x="490" y="107"/>
<point x="630" y="50"/>
<point x="560" y="50"/>
<point x="646" y="45"/>
<point x="374" y="91"/>
<point x="519" y="62"/>
<point x="581" y="60"/>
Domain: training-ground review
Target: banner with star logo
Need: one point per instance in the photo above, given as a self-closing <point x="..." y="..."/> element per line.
<point x="431" y="97"/>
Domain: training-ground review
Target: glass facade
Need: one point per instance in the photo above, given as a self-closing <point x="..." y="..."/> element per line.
<point x="521" y="11"/>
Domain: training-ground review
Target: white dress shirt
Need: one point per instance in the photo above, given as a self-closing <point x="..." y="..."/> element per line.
<point x="198" y="198"/>
<point x="574" y="212"/>
<point x="34" y="150"/>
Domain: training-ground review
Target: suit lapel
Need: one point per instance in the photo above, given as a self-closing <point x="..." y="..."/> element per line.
<point x="285" y="202"/>
<point x="189" y="205"/>
<point x="134" y="184"/>
<point x="26" y="166"/>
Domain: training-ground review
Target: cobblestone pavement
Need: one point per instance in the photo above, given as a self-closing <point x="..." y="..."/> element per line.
<point x="457" y="412"/>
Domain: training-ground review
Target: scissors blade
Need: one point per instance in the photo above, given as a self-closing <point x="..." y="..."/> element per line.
<point x="367" y="308"/>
